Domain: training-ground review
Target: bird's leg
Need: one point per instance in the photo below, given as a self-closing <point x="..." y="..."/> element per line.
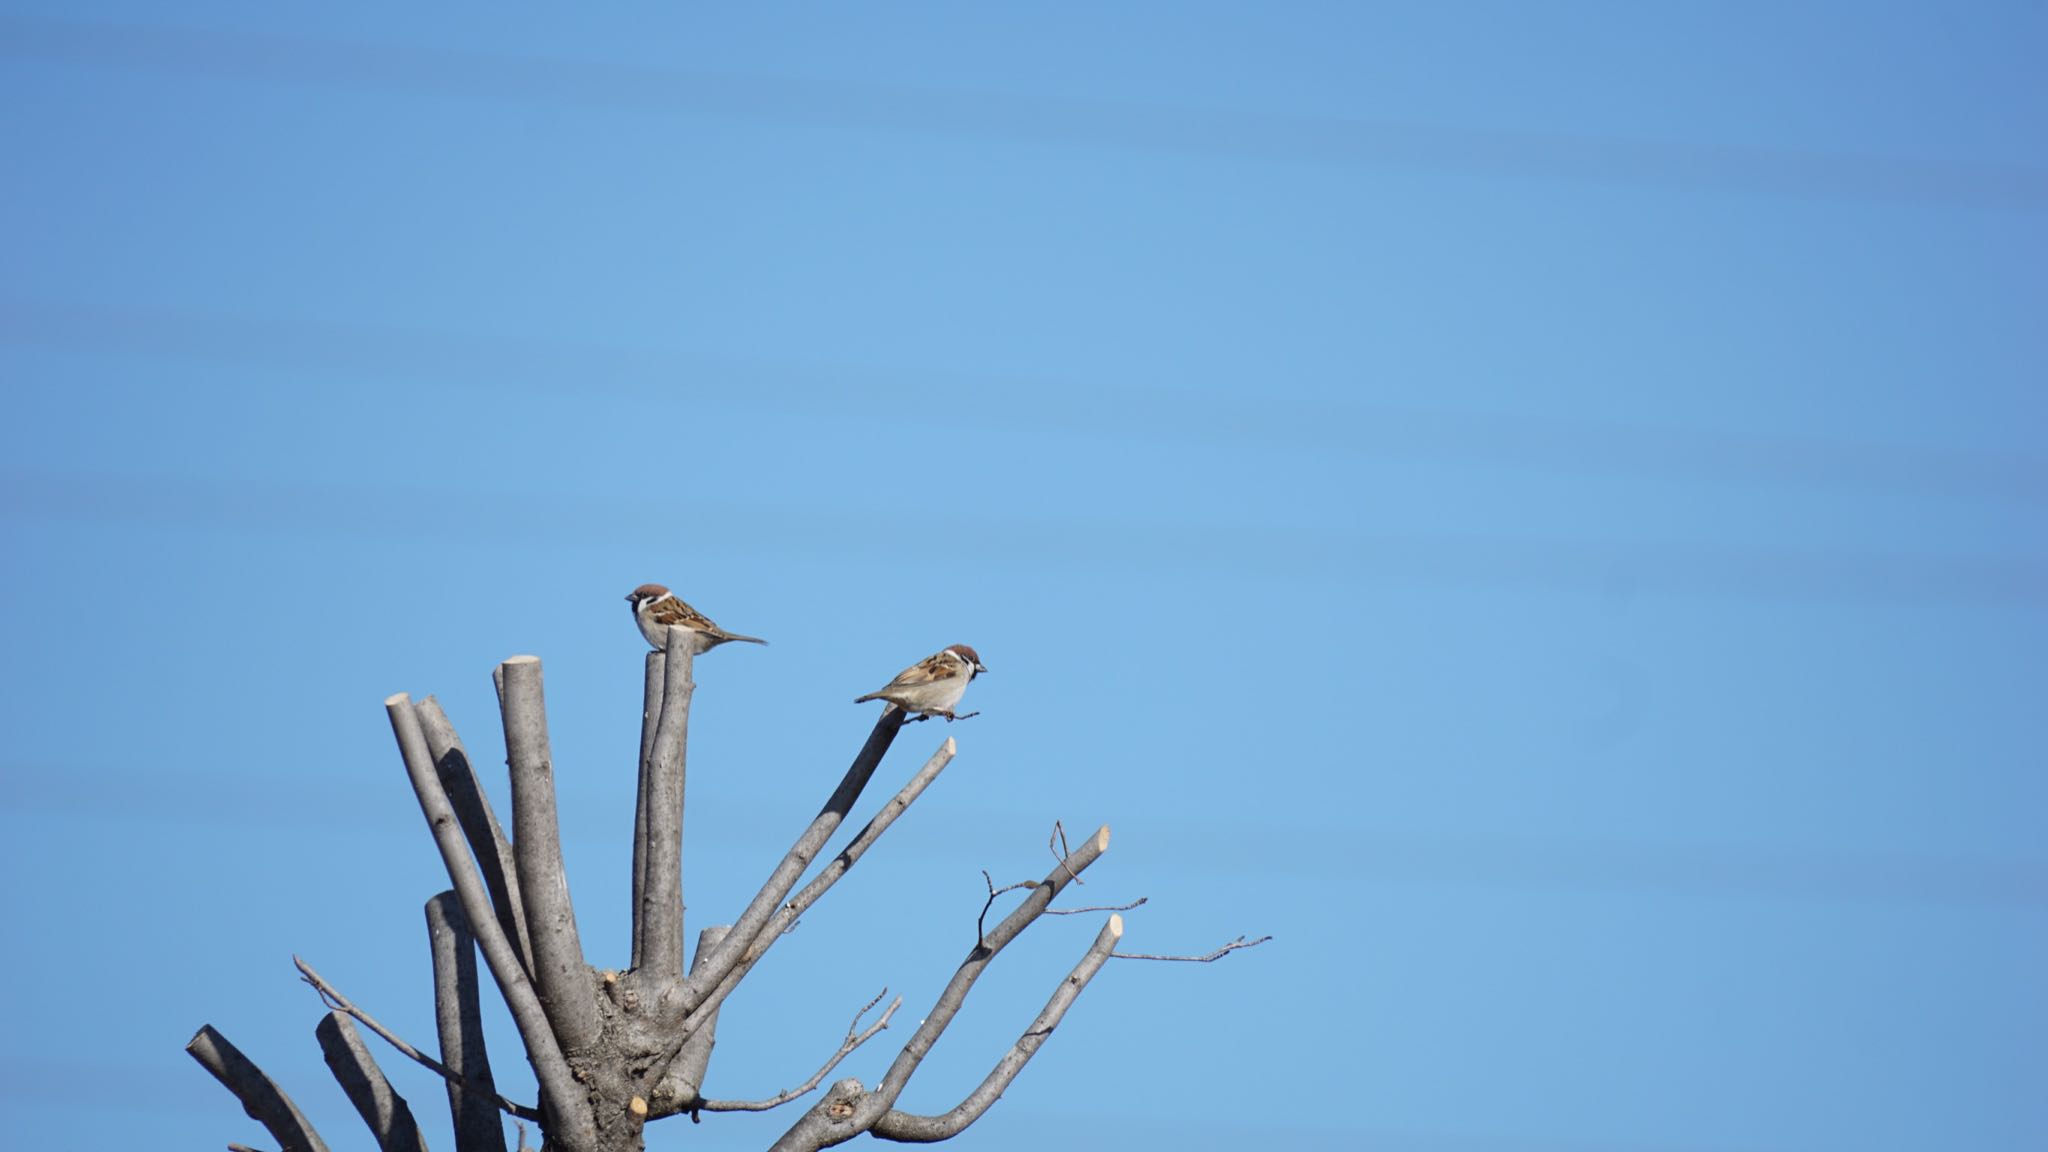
<point x="963" y="716"/>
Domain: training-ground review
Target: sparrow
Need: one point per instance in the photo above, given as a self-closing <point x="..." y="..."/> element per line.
<point x="656" y="610"/>
<point x="933" y="685"/>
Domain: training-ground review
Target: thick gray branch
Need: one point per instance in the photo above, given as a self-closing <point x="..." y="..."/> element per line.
<point x="385" y="1111"/>
<point x="970" y="970"/>
<point x="706" y="979"/>
<point x="261" y="1098"/>
<point x="332" y="997"/>
<point x="908" y="1127"/>
<point x="458" y="1017"/>
<point x="569" y="1118"/>
<point x="787" y="915"/>
<point x="479" y="823"/>
<point x="567" y="991"/>
<point x="650" y="718"/>
<point x="838" y="1118"/>
<point x="658" y="903"/>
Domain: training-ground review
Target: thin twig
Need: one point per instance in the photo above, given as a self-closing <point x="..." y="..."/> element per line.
<point x="1139" y="902"/>
<point x="1059" y="836"/>
<point x="333" y="998"/>
<point x="981" y="921"/>
<point x="855" y="1037"/>
<point x="1207" y="958"/>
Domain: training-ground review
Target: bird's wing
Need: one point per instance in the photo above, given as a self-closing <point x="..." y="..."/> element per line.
<point x="929" y="670"/>
<point x="672" y="610"/>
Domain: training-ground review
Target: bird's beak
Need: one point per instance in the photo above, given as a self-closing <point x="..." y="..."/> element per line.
<point x="979" y="669"/>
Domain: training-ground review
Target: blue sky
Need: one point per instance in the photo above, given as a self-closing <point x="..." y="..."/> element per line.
<point x="1538" y="507"/>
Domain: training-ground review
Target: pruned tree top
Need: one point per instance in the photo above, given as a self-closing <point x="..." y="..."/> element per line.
<point x="611" y="1050"/>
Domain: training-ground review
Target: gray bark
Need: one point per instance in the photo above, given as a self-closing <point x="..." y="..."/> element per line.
<point x="458" y="1018"/>
<point x="855" y="1037"/>
<point x="561" y="1098"/>
<point x="847" y="1111"/>
<point x="261" y="1098"/>
<point x="658" y="903"/>
<point x="480" y="826"/>
<point x="567" y="992"/>
<point x="650" y="716"/>
<point x="970" y="970"/>
<point x="610" y="1050"/>
<point x="682" y="1087"/>
<point x="907" y="1127"/>
<point x="705" y="980"/>
<point x="787" y="914"/>
<point x="385" y="1111"/>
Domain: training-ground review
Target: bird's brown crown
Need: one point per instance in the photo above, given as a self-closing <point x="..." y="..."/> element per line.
<point x="648" y="592"/>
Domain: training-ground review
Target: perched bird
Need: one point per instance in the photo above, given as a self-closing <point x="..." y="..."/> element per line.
<point x="656" y="610"/>
<point x="933" y="685"/>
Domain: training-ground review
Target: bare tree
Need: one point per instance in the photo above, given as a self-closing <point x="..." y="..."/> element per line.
<point x="612" y="1051"/>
